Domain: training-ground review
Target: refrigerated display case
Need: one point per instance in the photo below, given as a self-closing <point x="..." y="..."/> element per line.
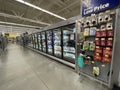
<point x="69" y="43"/>
<point x="50" y="42"/>
<point x="33" y="40"/>
<point x="44" y="41"/>
<point x="36" y="41"/>
<point x="57" y="43"/>
<point x="39" y="41"/>
<point x="54" y="48"/>
<point x="30" y="42"/>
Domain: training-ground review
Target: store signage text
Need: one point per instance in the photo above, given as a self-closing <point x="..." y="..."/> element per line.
<point x="94" y="6"/>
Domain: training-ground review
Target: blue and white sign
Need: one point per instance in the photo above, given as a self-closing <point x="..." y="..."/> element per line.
<point x="95" y="6"/>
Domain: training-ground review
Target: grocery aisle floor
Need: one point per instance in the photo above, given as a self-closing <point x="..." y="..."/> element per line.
<point x="23" y="69"/>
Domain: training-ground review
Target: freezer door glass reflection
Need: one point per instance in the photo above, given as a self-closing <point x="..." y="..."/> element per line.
<point x="49" y="42"/>
<point x="57" y="43"/>
<point x="33" y="39"/>
<point x="39" y="41"/>
<point x="43" y="42"/>
<point x="69" y="43"/>
<point x="36" y="42"/>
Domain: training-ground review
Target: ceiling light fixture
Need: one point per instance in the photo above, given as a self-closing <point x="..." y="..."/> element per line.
<point x="20" y="25"/>
<point x="22" y="18"/>
<point x="41" y="9"/>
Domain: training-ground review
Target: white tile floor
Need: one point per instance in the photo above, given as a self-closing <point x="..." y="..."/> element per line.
<point x="23" y="69"/>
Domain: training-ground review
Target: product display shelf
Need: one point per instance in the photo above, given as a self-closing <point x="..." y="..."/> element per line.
<point x="104" y="71"/>
<point x="101" y="70"/>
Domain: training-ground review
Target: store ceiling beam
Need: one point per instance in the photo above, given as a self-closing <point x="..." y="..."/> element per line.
<point x="40" y="9"/>
<point x="68" y="6"/>
<point x="22" y="18"/>
<point x="20" y="25"/>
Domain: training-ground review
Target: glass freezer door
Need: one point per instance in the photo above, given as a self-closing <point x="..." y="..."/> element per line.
<point x="39" y="41"/>
<point x="43" y="42"/>
<point x="69" y="43"/>
<point x="36" y="42"/>
<point x="57" y="43"/>
<point x="49" y="42"/>
<point x="33" y="39"/>
<point x="30" y="41"/>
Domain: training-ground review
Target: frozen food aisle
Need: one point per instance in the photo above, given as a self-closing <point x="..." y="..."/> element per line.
<point x="23" y="69"/>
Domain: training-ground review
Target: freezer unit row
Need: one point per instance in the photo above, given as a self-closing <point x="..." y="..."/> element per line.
<point x="58" y="42"/>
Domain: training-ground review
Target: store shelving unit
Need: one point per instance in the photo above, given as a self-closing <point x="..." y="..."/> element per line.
<point x="99" y="62"/>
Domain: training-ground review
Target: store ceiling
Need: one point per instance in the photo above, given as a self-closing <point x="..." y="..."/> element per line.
<point x="15" y="12"/>
<point x="15" y="29"/>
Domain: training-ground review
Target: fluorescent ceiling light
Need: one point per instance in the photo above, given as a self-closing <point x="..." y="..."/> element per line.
<point x="22" y="18"/>
<point x="41" y="9"/>
<point x="20" y="25"/>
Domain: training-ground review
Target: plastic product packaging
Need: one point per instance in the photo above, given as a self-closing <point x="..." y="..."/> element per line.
<point x="98" y="53"/>
<point x="103" y="42"/>
<point x="98" y="49"/>
<point x="88" y="21"/>
<point x="98" y="34"/>
<point x="98" y="56"/>
<point x="81" y="36"/>
<point x="109" y="42"/>
<point x="110" y="31"/>
<point x="97" y="42"/>
<point x="82" y="21"/>
<point x="107" y="51"/>
<point x="106" y="58"/>
<point x="107" y="55"/>
<point x="93" y="31"/>
<point x="86" y="32"/>
<point x="86" y="45"/>
<point x="107" y="16"/>
<point x="88" y="60"/>
<point x="96" y="71"/>
<point x="92" y="46"/>
<point x="103" y="31"/>
<point x="93" y="20"/>
<point x="101" y="18"/>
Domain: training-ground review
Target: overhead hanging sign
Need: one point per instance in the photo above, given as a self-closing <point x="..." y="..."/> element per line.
<point x="95" y="6"/>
